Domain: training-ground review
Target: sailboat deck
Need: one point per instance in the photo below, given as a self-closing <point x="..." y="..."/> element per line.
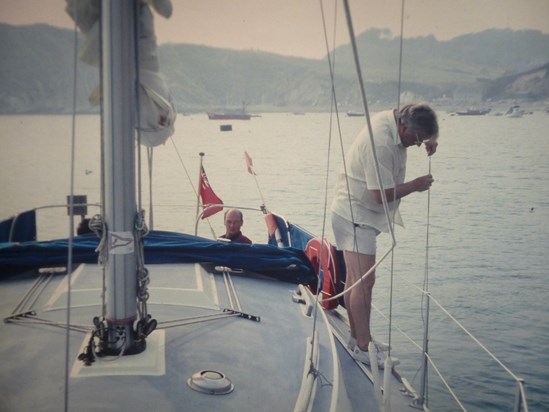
<point x="262" y="352"/>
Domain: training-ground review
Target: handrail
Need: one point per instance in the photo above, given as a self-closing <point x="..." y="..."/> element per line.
<point x="521" y="404"/>
<point x="35" y="209"/>
<point x="210" y="206"/>
<point x="305" y="397"/>
<point x="66" y="205"/>
<point x="519" y="381"/>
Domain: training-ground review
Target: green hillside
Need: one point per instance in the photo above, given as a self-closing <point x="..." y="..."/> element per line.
<point x="36" y="72"/>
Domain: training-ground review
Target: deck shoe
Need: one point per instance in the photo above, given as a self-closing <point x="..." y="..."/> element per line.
<point x="381" y="346"/>
<point x="351" y="343"/>
<point x="364" y="357"/>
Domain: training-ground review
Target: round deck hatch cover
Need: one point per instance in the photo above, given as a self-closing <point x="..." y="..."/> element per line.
<point x="210" y="382"/>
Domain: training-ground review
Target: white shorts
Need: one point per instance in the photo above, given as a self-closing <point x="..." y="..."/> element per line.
<point x="354" y="238"/>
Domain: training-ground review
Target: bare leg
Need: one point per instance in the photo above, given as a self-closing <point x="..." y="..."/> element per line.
<point x="359" y="300"/>
<point x="347" y="300"/>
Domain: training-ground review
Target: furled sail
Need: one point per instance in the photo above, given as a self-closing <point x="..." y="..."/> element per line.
<point x="156" y="108"/>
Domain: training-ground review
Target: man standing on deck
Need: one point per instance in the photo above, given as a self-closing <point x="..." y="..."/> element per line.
<point x="358" y="214"/>
<point x="233" y="222"/>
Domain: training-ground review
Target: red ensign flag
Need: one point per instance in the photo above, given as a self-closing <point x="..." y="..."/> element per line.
<point x="208" y="196"/>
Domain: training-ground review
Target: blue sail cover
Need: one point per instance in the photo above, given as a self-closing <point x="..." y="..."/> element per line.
<point x="21" y="228"/>
<point x="287" y="264"/>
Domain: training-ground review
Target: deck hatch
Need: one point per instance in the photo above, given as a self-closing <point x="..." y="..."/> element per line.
<point x="210" y="382"/>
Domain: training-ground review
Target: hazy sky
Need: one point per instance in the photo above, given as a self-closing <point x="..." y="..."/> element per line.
<point x="294" y="27"/>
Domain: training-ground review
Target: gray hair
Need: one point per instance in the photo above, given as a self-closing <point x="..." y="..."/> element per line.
<point x="419" y="117"/>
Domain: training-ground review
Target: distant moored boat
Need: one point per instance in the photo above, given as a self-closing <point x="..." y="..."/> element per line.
<point x="473" y="112"/>
<point x="236" y="114"/>
<point x="355" y="114"/>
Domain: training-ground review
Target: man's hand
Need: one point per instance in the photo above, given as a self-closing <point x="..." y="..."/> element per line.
<point x="423" y="183"/>
<point x="431" y="146"/>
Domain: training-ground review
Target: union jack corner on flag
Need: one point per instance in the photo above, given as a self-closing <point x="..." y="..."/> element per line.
<point x="208" y="196"/>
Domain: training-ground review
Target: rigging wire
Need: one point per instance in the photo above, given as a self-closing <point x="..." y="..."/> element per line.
<point x="189" y="178"/>
<point x="367" y="115"/>
<point x="140" y="229"/>
<point x="71" y="215"/>
<point x="391" y="282"/>
<point x="323" y="231"/>
<point x="384" y="200"/>
<point x="183" y="165"/>
<point x="150" y="166"/>
<point x="425" y="301"/>
<point x="401" y="47"/>
<point x="334" y="106"/>
<point x="426" y="269"/>
<point x="137" y="85"/>
<point x="391" y="221"/>
<point x="422" y="397"/>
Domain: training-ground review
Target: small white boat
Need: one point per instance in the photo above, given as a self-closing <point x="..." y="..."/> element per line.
<point x="355" y="114"/>
<point x="515" y="111"/>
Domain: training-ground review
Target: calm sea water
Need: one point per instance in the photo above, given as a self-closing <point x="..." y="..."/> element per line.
<point x="487" y="221"/>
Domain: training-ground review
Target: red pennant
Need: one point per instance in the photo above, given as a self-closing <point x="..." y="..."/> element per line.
<point x="249" y="163"/>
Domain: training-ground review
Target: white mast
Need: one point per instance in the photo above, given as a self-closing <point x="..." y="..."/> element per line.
<point x="119" y="77"/>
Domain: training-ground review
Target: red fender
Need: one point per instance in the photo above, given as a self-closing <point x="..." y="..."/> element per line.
<point x="323" y="257"/>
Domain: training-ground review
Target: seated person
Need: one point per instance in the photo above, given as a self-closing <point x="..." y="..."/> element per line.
<point x="83" y="227"/>
<point x="233" y="222"/>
